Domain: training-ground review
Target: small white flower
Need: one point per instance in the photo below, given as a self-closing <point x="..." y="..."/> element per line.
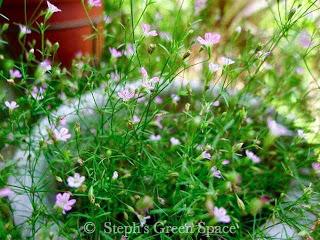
<point x="115" y="175"/>
<point x="126" y="94"/>
<point x="45" y="65"/>
<point x="24" y="29"/>
<point x="226" y="61"/>
<point x="52" y="8"/>
<point x="11" y="105"/>
<point x="175" y="98"/>
<point x="155" y="138"/>
<point x="76" y="181"/>
<point x="174" y="141"/>
<point x="135" y="119"/>
<point x="62" y="134"/>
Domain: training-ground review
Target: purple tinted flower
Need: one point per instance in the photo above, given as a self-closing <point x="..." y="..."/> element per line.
<point x="62" y="134"/>
<point x="221" y="215"/>
<point x="146" y="28"/>
<point x="214" y="67"/>
<point x="115" y="53"/>
<point x="94" y="3"/>
<point x="225" y="162"/>
<point x="305" y="39"/>
<point x="38" y="93"/>
<point x="130" y="50"/>
<point x="45" y="65"/>
<point x="254" y="158"/>
<point x="206" y="155"/>
<point x="11" y="105"/>
<point x="199" y="5"/>
<point x="158" y="100"/>
<point x="126" y="94"/>
<point x="215" y="172"/>
<point x="174" y="141"/>
<point x="209" y="39"/>
<point x="76" y="181"/>
<point x="24" y="29"/>
<point x="277" y="129"/>
<point x="5" y="192"/>
<point x="155" y="138"/>
<point x="135" y="119"/>
<point x="316" y="166"/>
<point x="14" y="73"/>
<point x="64" y="202"/>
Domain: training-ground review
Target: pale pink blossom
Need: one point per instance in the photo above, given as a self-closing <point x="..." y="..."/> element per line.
<point x="155" y="138"/>
<point x="209" y="39"/>
<point x="158" y="120"/>
<point x="94" y="3"/>
<point x="215" y="172"/>
<point x="216" y="103"/>
<point x="175" y="98"/>
<point x="316" y="166"/>
<point x="146" y="28"/>
<point x="14" y="73"/>
<point x="115" y="53"/>
<point x="76" y="181"/>
<point x="300" y="70"/>
<point x="144" y="73"/>
<point x="276" y="129"/>
<point x="126" y="94"/>
<point x="62" y="134"/>
<point x="174" y="141"/>
<point x="45" y="65"/>
<point x="199" y="5"/>
<point x="254" y="158"/>
<point x="11" y="105"/>
<point x="225" y="162"/>
<point x="221" y="215"/>
<point x="52" y="8"/>
<point x="5" y="192"/>
<point x="24" y="29"/>
<point x="158" y="100"/>
<point x="130" y="50"/>
<point x="64" y="202"/>
<point x="206" y="155"/>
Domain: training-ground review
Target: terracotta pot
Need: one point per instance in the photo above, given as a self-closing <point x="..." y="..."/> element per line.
<point x="71" y="27"/>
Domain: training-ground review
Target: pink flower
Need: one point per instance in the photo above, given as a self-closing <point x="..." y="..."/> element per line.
<point x="199" y="5"/>
<point x="277" y="129"/>
<point x="155" y="138"/>
<point x="146" y="28"/>
<point x="174" y="141"/>
<point x="129" y="51"/>
<point x="38" y="93"/>
<point x="45" y="65"/>
<point x="158" y="100"/>
<point x="216" y="103"/>
<point x="225" y="162"/>
<point x="209" y="39"/>
<point x="206" y="155"/>
<point x="52" y="8"/>
<point x="115" y="53"/>
<point x="24" y="29"/>
<point x="316" y="166"/>
<point x="126" y="94"/>
<point x="75" y="181"/>
<point x="305" y="39"/>
<point x="94" y="3"/>
<point x="215" y="172"/>
<point x="254" y="158"/>
<point x="5" y="192"/>
<point x="221" y="215"/>
<point x="144" y="73"/>
<point x="14" y="73"/>
<point x="62" y="134"/>
<point x="64" y="202"/>
<point x="11" y="105"/>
